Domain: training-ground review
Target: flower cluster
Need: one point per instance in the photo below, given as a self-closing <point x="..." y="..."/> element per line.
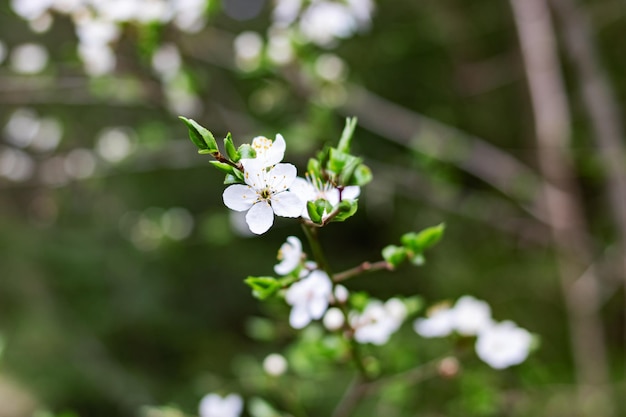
<point x="500" y="345"/>
<point x="262" y="186"/>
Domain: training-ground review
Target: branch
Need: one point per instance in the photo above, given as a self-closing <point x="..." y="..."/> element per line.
<point x="563" y="205"/>
<point x="359" y="269"/>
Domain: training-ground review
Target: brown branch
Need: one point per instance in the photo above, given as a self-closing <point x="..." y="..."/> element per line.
<point x="603" y="111"/>
<point x="563" y="204"/>
<point x="364" y="267"/>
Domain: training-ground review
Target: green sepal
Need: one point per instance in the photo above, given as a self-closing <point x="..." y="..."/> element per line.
<point x="230" y="148"/>
<point x="200" y="136"/>
<point x="346" y="135"/>
<point x="247" y="151"/>
<point x="394" y="255"/>
<point x="419" y="242"/>
<point x="347" y="209"/>
<point x="362" y="175"/>
<point x="311" y="208"/>
<point x="225" y="168"/>
<point x="263" y="287"/>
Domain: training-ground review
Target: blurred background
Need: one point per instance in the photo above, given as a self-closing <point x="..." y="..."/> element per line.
<point x="121" y="272"/>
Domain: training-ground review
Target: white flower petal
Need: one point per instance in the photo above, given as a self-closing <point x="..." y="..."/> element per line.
<point x="239" y="197"/>
<point x="281" y="176"/>
<point x="304" y="189"/>
<point x="290" y="255"/>
<point x="260" y="217"/>
<point x="276" y="153"/>
<point x="351" y="192"/>
<point x="317" y="307"/>
<point x="299" y="317"/>
<point x="287" y="204"/>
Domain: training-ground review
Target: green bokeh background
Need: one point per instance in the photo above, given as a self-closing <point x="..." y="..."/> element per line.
<point x="95" y="325"/>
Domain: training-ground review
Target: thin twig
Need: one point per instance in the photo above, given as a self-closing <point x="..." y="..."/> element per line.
<point x="359" y="269"/>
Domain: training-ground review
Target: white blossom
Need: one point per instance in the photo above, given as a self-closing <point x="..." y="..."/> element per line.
<point x="333" y="319"/>
<point x="311" y="189"/>
<point x="264" y="194"/>
<point x="308" y="298"/>
<point x="323" y="22"/>
<point x="289" y="255"/>
<point x="268" y="152"/>
<point x="378" y="321"/>
<point x="503" y="344"/>
<point x="439" y="323"/>
<point x="213" y="405"/>
<point x="275" y="364"/>
<point x="471" y="315"/>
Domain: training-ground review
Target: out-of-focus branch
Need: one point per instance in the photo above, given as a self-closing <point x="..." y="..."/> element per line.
<point x="563" y="204"/>
<point x="446" y="143"/>
<point x="602" y="109"/>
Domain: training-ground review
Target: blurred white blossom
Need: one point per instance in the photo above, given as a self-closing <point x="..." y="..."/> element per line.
<point x="333" y="319"/>
<point x="29" y="58"/>
<point x="439" y="323"/>
<point x="213" y="405"/>
<point x="275" y="364"/>
<point x="378" y="321"/>
<point x="503" y="344"/>
<point x="471" y="315"/>
<point x="308" y="298"/>
<point x="289" y="255"/>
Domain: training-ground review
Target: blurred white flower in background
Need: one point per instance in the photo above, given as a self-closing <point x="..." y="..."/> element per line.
<point x="503" y="344"/>
<point x="471" y="315"/>
<point x="378" y="321"/>
<point x="333" y="319"/>
<point x="309" y="298"/>
<point x="439" y="323"/>
<point x="167" y="61"/>
<point x="29" y="58"/>
<point x="289" y="255"/>
<point x="248" y="47"/>
<point x="213" y="405"/>
<point x="500" y="345"/>
<point x="16" y="165"/>
<point x="114" y="144"/>
<point x="275" y="364"/>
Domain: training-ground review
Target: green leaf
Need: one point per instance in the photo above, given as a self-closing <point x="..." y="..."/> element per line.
<point x="236" y="177"/>
<point x="225" y="168"/>
<point x="362" y="175"/>
<point x="311" y="208"/>
<point x="263" y="287"/>
<point x="200" y="136"/>
<point x="230" y="148"/>
<point x="419" y="242"/>
<point x="346" y="135"/>
<point x="348" y="170"/>
<point x="394" y="255"/>
<point x="247" y="151"/>
<point x="339" y="160"/>
<point x="347" y="209"/>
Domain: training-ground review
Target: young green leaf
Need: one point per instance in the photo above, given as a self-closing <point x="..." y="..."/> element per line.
<point x="247" y="151"/>
<point x="347" y="208"/>
<point x="230" y="148"/>
<point x="263" y="287"/>
<point x="394" y="255"/>
<point x="227" y="169"/>
<point x="200" y="136"/>
<point x="419" y="242"/>
<point x="346" y="135"/>
<point x="362" y="175"/>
